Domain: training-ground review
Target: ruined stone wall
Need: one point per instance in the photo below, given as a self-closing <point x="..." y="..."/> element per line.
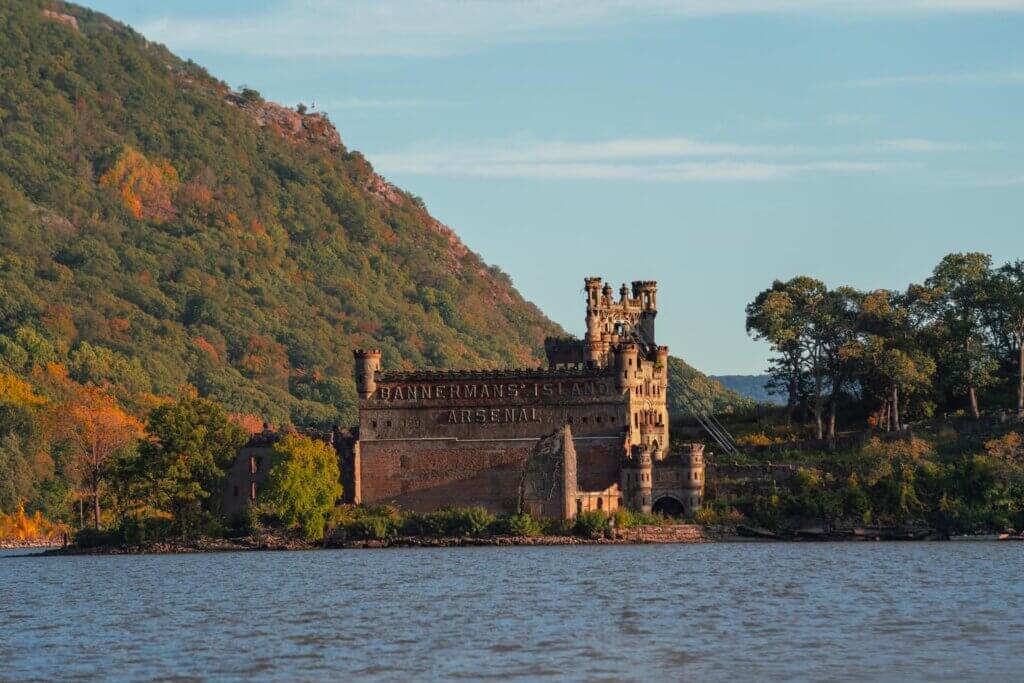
<point x="246" y="477"/>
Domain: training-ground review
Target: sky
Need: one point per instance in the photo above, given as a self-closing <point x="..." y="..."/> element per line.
<point x="711" y="145"/>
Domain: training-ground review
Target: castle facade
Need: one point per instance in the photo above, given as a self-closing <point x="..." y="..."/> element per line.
<point x="588" y="432"/>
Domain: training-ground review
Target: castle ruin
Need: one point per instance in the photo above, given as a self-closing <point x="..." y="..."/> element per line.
<point x="429" y="439"/>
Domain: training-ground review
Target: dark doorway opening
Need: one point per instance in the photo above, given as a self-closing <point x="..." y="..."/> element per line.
<point x="670" y="507"/>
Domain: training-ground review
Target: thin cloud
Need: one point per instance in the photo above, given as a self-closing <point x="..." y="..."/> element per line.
<point x="324" y="28"/>
<point x="996" y="182"/>
<point x="676" y="159"/>
<point x="975" y="78"/>
<point x="716" y="171"/>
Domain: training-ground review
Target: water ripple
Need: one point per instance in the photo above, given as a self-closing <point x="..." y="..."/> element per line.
<point x="722" y="612"/>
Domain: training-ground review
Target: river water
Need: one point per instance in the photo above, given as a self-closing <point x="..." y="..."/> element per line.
<point x="714" y="612"/>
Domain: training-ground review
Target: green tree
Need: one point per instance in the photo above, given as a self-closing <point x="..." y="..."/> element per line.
<point x="1008" y="302"/>
<point x="807" y="325"/>
<point x="303" y="483"/>
<point x="957" y="295"/>
<point x="888" y="352"/>
<point x="191" y="444"/>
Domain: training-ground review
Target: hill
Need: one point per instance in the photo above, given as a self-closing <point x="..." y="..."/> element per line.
<point x="160" y="231"/>
<point x="750" y="386"/>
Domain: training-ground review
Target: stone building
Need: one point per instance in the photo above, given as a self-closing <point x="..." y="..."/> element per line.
<point x="427" y="439"/>
<point x="247" y="475"/>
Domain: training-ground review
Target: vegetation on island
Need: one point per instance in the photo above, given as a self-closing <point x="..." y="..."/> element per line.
<point x="952" y="343"/>
<point x="903" y="406"/>
<point x="384" y="522"/>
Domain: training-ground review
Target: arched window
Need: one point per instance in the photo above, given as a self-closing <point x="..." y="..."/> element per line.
<point x="600" y="503"/>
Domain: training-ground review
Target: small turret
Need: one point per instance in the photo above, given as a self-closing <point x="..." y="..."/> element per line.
<point x="627" y="357"/>
<point x="643" y="465"/>
<point x="367" y="365"/>
<point x="692" y="460"/>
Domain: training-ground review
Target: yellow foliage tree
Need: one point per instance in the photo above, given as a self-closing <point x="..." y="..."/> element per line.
<point x="146" y="187"/>
<point x="19" y="527"/>
<point x="15" y="390"/>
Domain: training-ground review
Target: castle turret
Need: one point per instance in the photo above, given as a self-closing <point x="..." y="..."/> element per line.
<point x="645" y="471"/>
<point x="367" y="365"/>
<point x="627" y="357"/>
<point x="645" y="292"/>
<point x="692" y="457"/>
<point x="593" y="346"/>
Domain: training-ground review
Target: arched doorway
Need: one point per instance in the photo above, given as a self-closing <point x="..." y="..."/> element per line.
<point x="668" y="506"/>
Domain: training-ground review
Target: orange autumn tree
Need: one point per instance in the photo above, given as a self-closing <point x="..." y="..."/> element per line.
<point x="96" y="428"/>
<point x="147" y="188"/>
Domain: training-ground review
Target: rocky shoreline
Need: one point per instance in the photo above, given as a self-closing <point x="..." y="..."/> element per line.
<point x="644" y="535"/>
<point x="31" y="543"/>
<point x="683" y="533"/>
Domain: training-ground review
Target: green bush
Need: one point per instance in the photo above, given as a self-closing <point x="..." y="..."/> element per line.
<point x="245" y="522"/>
<point x="592" y="524"/>
<point x="93" y="538"/>
<point x="135" y="531"/>
<point x="557" y="527"/>
<point x="627" y="519"/>
<point x="471" y="521"/>
<point x="517" y="525"/>
<point x="371" y="528"/>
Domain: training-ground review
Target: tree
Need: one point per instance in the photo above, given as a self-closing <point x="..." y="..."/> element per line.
<point x="771" y="317"/>
<point x="958" y="298"/>
<point x="303" y="483"/>
<point x="191" y="444"/>
<point x="807" y="326"/>
<point x="887" y="350"/>
<point x="1008" y="297"/>
<point x="96" y="428"/>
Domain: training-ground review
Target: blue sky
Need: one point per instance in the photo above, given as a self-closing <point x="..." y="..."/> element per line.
<point x="712" y="145"/>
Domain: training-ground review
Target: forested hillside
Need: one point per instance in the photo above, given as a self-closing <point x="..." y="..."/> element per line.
<point x="159" y="230"/>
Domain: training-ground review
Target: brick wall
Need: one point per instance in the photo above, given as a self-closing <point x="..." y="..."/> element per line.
<point x="425" y="475"/>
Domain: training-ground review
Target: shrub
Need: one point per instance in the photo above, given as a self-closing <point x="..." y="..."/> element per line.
<point x="756" y="440"/>
<point x="592" y="524"/>
<point x="88" y="537"/>
<point x="557" y="527"/>
<point x="366" y="523"/>
<point x="245" y="522"/>
<point x="719" y="515"/>
<point x="471" y="521"/>
<point x="627" y="519"/>
<point x="139" y="531"/>
<point x="373" y="528"/>
<point x="517" y="525"/>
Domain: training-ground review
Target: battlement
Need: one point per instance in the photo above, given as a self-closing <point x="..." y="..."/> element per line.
<point x="449" y="375"/>
<point x="366" y="353"/>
